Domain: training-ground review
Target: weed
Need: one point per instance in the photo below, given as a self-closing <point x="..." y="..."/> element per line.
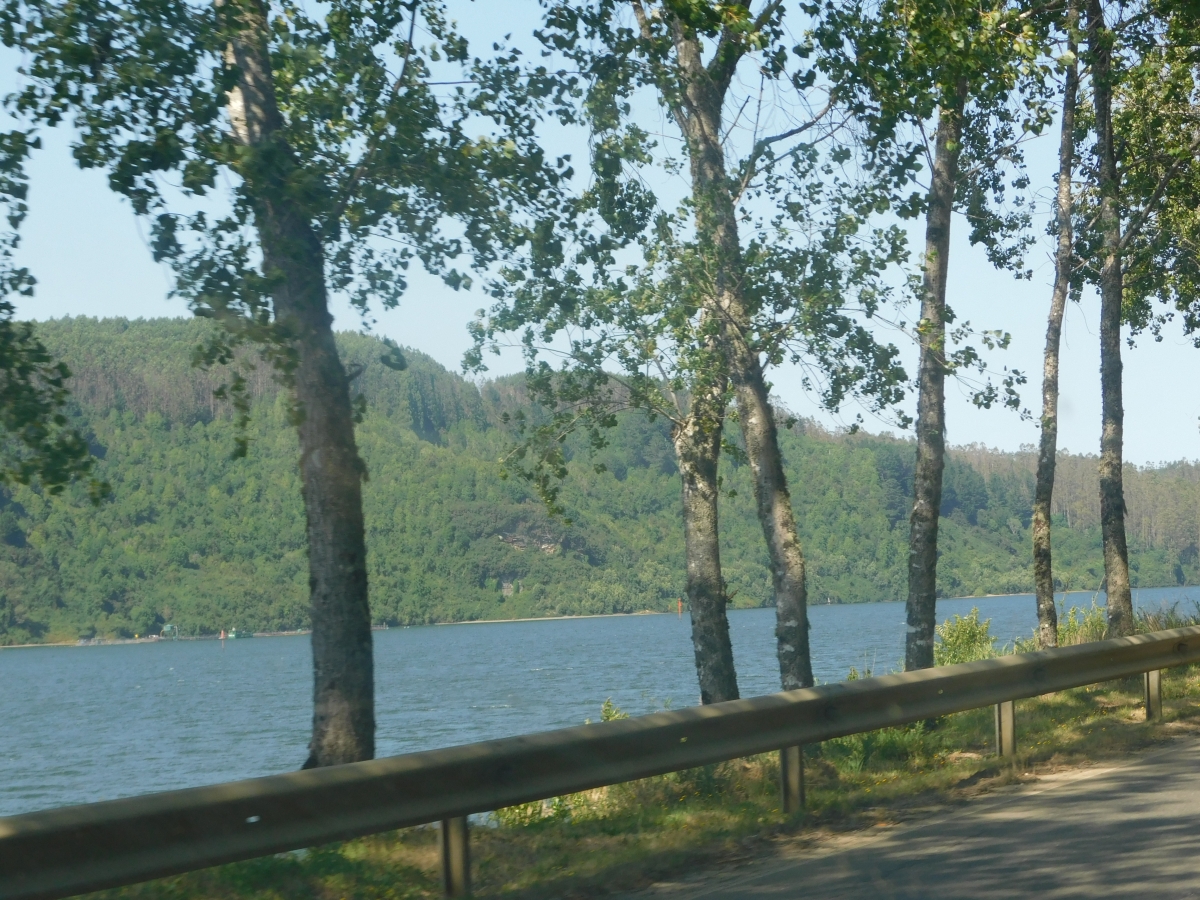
<point x="1167" y="618"/>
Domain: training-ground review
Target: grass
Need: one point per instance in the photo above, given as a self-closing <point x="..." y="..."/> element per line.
<point x="629" y="835"/>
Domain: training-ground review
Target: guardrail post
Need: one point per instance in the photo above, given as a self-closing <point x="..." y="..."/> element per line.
<point x="1153" y="684"/>
<point x="454" y="842"/>
<point x="1006" y="728"/>
<point x="791" y="779"/>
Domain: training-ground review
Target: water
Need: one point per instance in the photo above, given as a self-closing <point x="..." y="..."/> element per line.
<point x="79" y="724"/>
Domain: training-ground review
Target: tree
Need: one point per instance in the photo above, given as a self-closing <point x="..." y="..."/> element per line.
<point x="1141" y="213"/>
<point x="1043" y="569"/>
<point x="340" y="164"/>
<point x="760" y="262"/>
<point x="1154" y="133"/>
<point x="1108" y="186"/>
<point x="963" y="62"/>
<point x="37" y="442"/>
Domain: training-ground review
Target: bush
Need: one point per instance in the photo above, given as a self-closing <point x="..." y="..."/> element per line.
<point x="1080" y="626"/>
<point x="963" y="639"/>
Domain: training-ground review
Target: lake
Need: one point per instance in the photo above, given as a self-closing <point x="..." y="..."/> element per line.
<point x="80" y="724"/>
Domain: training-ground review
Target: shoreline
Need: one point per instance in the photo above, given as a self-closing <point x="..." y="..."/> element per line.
<point x="644" y="612"/>
<point x="92" y="642"/>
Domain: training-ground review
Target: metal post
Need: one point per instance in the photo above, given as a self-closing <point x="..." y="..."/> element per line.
<point x="1006" y="728"/>
<point x="454" y="842"/>
<point x="791" y="779"/>
<point x="1152" y="681"/>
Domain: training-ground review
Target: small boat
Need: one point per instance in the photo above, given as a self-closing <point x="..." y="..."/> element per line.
<point x="234" y="634"/>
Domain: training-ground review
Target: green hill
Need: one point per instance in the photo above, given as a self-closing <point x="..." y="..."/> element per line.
<point x="203" y="541"/>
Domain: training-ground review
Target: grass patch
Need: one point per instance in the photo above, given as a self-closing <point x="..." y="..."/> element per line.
<point x="626" y="836"/>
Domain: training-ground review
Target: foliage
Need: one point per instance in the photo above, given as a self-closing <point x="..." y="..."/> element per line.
<point x="205" y="542"/>
<point x="963" y="639"/>
<point x="37" y="444"/>
<point x="899" y="62"/>
<point x="895" y="65"/>
<point x="857" y="753"/>
<point x="365" y="149"/>
<point x="1156" y="114"/>
<point x="1167" y="618"/>
<point x="610" y="712"/>
<point x="1080" y="626"/>
<point x="772" y="239"/>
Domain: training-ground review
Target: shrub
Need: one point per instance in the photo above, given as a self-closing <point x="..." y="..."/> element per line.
<point x="963" y="639"/>
<point x="1080" y="626"/>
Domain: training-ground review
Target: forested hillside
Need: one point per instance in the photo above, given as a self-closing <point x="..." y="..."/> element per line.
<point x="195" y="538"/>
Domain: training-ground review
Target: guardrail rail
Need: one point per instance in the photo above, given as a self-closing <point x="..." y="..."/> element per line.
<point x="71" y="850"/>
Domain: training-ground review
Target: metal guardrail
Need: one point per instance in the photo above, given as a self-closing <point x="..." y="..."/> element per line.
<point x="71" y="850"/>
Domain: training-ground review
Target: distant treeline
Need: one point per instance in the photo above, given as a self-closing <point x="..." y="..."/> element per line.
<point x="203" y="541"/>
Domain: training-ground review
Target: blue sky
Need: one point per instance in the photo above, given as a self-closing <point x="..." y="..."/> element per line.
<point x="89" y="254"/>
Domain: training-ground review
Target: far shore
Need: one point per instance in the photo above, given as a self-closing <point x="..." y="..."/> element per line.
<point x="645" y="612"/>
<point x="641" y="612"/>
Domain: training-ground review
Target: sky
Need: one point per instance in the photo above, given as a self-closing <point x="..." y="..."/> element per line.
<point x="90" y="256"/>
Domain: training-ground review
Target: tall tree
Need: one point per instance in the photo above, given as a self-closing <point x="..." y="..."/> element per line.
<point x="1101" y="42"/>
<point x="1147" y="129"/>
<point x="340" y="163"/>
<point x="1043" y="569"/>
<point x="931" y="385"/>
<point x="1136" y="227"/>
<point x="962" y="63"/>
<point x="709" y="307"/>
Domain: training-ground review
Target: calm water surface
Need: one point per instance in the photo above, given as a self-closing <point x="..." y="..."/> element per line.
<point x="80" y="724"/>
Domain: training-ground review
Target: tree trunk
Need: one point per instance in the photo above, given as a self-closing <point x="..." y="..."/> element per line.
<point x="1043" y="570"/>
<point x="774" y="505"/>
<point x="330" y="468"/>
<point x="931" y="399"/>
<point x="1112" y="494"/>
<point x="717" y="233"/>
<point x="698" y="448"/>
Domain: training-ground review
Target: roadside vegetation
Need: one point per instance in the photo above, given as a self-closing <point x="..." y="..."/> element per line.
<point x="629" y="835"/>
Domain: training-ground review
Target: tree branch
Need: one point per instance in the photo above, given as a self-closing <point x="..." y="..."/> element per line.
<point x="1139" y="220"/>
<point x="728" y="54"/>
<point x="373" y="143"/>
<point x="761" y="146"/>
<point x="665" y="88"/>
